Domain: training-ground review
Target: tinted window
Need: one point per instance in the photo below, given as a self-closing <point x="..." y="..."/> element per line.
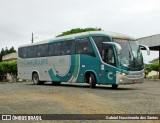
<point x="68" y="48"/>
<point x="109" y="56"/>
<point x="83" y="46"/>
<point x="32" y="51"/>
<point x="22" y="52"/>
<point x="54" y="49"/>
<point x="51" y="49"/>
<point x="42" y="50"/>
<point x="99" y="42"/>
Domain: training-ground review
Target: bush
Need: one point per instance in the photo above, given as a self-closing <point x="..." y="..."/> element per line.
<point x="155" y="66"/>
<point x="147" y="70"/>
<point x="9" y="67"/>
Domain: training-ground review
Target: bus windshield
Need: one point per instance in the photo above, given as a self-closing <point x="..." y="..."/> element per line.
<point x="131" y="55"/>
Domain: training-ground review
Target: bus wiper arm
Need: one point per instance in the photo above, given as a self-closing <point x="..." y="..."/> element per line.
<point x="137" y="62"/>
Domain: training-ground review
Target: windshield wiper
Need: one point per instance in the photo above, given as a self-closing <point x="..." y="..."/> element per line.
<point x="137" y="62"/>
<point x="134" y="59"/>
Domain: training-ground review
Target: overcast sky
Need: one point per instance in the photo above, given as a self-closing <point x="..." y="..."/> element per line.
<point x="48" y="18"/>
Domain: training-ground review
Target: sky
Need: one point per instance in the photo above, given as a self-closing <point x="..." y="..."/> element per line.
<point x="48" y="18"/>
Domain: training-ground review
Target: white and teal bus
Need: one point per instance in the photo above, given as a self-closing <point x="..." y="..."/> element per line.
<point x="95" y="57"/>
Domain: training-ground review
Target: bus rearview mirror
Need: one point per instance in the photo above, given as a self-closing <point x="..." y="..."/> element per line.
<point x="118" y="47"/>
<point x="146" y="47"/>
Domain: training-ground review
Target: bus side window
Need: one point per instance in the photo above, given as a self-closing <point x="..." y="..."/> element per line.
<point x="83" y="46"/>
<point x="32" y="51"/>
<point x="68" y="48"/>
<point x="22" y="52"/>
<point x="109" y="56"/>
<point x="50" y="49"/>
<point x="65" y="49"/>
<point x="54" y="49"/>
<point x="72" y="47"/>
<point x="42" y="50"/>
<point x="57" y="49"/>
<point x="99" y="42"/>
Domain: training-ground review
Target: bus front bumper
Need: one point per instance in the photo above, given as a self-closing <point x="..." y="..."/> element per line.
<point x="131" y="78"/>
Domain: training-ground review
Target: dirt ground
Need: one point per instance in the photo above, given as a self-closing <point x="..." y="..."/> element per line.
<point x="26" y="98"/>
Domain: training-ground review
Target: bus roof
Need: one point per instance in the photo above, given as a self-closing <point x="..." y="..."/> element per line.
<point x="83" y="34"/>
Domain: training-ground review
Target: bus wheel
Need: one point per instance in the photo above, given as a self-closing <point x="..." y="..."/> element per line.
<point x="35" y="79"/>
<point x="114" y="86"/>
<point x="92" y="80"/>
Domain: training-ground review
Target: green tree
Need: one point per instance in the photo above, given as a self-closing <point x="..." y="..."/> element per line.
<point x="3" y="66"/>
<point x="2" y="54"/>
<point x="9" y="67"/>
<point x="12" y="50"/>
<point x="6" y="51"/>
<point x="155" y="66"/>
<point x="78" y="30"/>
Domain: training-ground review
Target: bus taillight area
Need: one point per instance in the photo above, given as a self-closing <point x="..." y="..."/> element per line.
<point x="130" y="78"/>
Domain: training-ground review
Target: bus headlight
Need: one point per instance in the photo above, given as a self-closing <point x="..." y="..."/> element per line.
<point x="123" y="74"/>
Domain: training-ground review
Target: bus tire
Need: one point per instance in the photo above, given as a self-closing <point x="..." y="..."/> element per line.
<point x="92" y="80"/>
<point x="35" y="79"/>
<point x="114" y="86"/>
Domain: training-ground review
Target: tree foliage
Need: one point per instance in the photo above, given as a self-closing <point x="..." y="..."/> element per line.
<point x="6" y="51"/>
<point x="78" y="30"/>
<point x="147" y="70"/>
<point x="9" y="67"/>
<point x="154" y="66"/>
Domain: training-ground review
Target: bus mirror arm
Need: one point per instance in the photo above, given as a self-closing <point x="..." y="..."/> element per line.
<point x="147" y="48"/>
<point x="118" y="47"/>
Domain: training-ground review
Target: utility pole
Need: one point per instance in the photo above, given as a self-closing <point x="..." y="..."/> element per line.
<point x="32" y="38"/>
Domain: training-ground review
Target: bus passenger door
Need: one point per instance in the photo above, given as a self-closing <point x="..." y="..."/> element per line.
<point x="108" y="57"/>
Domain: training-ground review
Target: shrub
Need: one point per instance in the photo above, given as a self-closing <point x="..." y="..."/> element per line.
<point x="9" y="67"/>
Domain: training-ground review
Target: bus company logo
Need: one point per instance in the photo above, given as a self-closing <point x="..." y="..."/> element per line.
<point x="110" y="75"/>
<point x="6" y="117"/>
